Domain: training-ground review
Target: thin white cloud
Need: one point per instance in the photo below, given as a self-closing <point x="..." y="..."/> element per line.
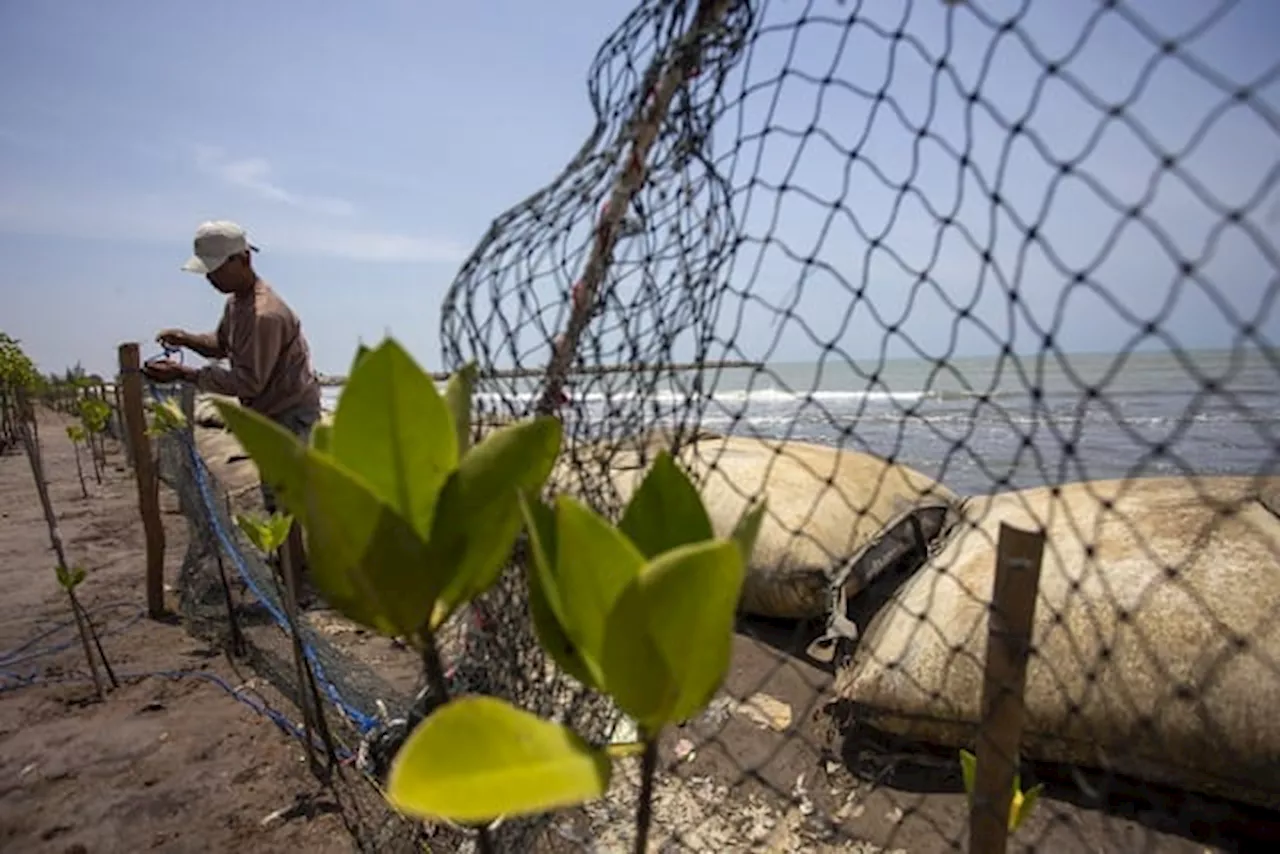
<point x="254" y="174"/>
<point x="363" y="245"/>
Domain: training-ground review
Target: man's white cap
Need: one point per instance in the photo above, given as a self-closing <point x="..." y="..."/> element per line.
<point x="215" y="242"/>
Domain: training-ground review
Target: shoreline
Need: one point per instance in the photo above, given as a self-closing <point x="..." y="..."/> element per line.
<point x="331" y="380"/>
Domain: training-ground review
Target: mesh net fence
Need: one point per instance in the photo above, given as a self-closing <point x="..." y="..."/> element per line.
<point x="910" y="272"/>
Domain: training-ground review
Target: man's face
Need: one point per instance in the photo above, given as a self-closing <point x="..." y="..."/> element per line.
<point x="228" y="278"/>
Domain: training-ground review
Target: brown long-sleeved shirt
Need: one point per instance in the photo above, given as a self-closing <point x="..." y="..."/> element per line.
<point x="270" y="359"/>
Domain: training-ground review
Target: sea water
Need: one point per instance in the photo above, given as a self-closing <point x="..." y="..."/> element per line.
<point x="981" y="424"/>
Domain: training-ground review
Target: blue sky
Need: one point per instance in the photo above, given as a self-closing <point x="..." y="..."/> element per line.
<point x="368" y="146"/>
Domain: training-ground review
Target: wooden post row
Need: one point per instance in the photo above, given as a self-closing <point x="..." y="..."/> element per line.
<point x="144" y="468"/>
<point x="1004" y="679"/>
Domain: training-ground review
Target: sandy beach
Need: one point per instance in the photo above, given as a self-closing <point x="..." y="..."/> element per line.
<point x="165" y="763"/>
<point x="176" y="763"/>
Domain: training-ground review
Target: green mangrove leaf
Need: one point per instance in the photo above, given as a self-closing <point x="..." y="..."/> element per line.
<point x="544" y="594"/>
<point x="364" y="551"/>
<point x="478" y="516"/>
<point x="393" y="429"/>
<point x="480" y="758"/>
<point x="364" y="557"/>
<point x="1023" y="803"/>
<point x="634" y="671"/>
<point x="255" y="529"/>
<point x="278" y="454"/>
<point x="665" y="511"/>
<point x="968" y="770"/>
<point x="687" y="599"/>
<point x="594" y="563"/>
<point x="457" y="395"/>
<point x="167" y="416"/>
<point x="95" y="414"/>
<point x="69" y="579"/>
<point x="267" y="534"/>
<point x="361" y="352"/>
<point x="748" y="529"/>
<point x="75" y="433"/>
<point x="322" y="437"/>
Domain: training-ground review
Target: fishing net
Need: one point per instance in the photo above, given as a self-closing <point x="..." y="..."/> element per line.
<point x="890" y="230"/>
<point x="907" y="270"/>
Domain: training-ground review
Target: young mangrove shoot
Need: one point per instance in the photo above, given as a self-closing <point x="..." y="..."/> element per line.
<point x="406" y="522"/>
<point x="67" y="578"/>
<point x="269" y="536"/>
<point x="76" y="434"/>
<point x="1023" y="802"/>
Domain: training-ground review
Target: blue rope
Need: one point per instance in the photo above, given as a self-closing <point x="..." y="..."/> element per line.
<point x="53" y="630"/>
<point x="280" y="720"/>
<point x="19" y="654"/>
<point x="364" y="723"/>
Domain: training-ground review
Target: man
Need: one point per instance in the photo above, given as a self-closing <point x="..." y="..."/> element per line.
<point x="270" y="361"/>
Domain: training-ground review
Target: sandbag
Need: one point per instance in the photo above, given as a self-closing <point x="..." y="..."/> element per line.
<point x="827" y="509"/>
<point x="1156" y="634"/>
<point x="206" y="413"/>
<point x="226" y="460"/>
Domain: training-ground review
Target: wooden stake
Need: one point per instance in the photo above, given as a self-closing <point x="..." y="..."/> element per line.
<point x="143" y="466"/>
<point x="1010" y="620"/>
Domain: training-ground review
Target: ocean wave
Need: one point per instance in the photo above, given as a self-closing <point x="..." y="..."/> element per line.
<point x="775" y="406"/>
<point x="764" y="397"/>
<point x="761" y="396"/>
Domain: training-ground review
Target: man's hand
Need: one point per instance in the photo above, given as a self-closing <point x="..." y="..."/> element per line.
<point x="167" y="371"/>
<point x="173" y="338"/>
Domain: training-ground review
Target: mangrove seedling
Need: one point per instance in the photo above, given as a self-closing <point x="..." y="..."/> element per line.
<point x="67" y="578"/>
<point x="403" y="526"/>
<point x="406" y="522"/>
<point x="76" y="434"/>
<point x="266" y="534"/>
<point x="95" y="416"/>
<point x="18" y="378"/>
<point x="643" y="612"/>
<point x="166" y="417"/>
<point x="269" y="536"/>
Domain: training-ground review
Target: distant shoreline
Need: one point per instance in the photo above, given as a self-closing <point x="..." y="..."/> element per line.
<point x="1248" y="350"/>
<point x="516" y="373"/>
